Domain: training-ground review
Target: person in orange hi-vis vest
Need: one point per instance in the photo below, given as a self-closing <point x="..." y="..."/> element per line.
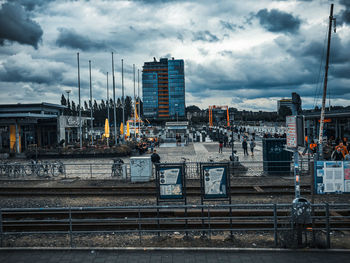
<point x="343" y="149"/>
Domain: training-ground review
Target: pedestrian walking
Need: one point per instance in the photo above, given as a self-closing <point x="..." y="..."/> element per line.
<point x="245" y="147"/>
<point x="252" y="145"/>
<point x="221" y="144"/>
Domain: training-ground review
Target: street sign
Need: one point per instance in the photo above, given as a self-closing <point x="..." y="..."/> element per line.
<point x="291" y="123"/>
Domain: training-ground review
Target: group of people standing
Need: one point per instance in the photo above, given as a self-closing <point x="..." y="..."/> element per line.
<point x="245" y="143"/>
<point x="252" y="145"/>
<point x="341" y="152"/>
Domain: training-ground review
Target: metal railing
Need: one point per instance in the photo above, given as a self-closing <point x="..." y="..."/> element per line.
<point x="109" y="170"/>
<point x="202" y="220"/>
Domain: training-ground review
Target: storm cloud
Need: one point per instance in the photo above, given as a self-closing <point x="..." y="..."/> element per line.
<point x="245" y="55"/>
<point x="23" y="68"/>
<point x="345" y="14"/>
<point x="71" y="39"/>
<point x="278" y="21"/>
<point x="17" y="26"/>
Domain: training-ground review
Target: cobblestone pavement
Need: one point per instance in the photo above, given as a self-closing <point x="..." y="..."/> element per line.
<point x="164" y="256"/>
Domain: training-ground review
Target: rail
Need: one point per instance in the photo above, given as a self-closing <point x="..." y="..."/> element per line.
<point x="202" y="220"/>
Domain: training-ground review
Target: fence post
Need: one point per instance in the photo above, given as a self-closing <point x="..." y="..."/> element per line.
<point x="209" y="222"/>
<point x="275" y="224"/>
<point x="139" y="223"/>
<point x="70" y="227"/>
<point x="90" y="170"/>
<point x="328" y="227"/>
<point x="1" y="230"/>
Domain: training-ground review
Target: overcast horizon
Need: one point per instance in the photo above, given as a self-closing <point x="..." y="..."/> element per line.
<point x="245" y="55"/>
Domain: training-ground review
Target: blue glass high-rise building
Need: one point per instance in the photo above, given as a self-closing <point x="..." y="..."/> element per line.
<point x="163" y="89"/>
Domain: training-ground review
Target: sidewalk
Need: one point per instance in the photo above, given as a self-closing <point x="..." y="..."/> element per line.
<point x="171" y="255"/>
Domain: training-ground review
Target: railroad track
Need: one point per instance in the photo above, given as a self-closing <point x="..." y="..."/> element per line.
<point x="152" y="219"/>
<point x="143" y="191"/>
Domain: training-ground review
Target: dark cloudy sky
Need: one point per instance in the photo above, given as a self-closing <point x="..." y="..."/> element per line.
<point x="245" y="54"/>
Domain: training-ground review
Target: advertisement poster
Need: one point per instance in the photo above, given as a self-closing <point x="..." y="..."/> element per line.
<point x="215" y="181"/>
<point x="170" y="182"/>
<point x="332" y="177"/>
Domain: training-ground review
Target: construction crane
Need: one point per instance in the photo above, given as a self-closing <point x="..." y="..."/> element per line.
<point x="213" y="107"/>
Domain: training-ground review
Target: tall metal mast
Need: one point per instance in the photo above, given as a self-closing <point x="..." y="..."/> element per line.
<point x="138" y="95"/>
<point x="123" y="104"/>
<point x="80" y="133"/>
<point x="114" y="106"/>
<point x="134" y="102"/>
<point x="91" y="122"/>
<point x="107" y="109"/>
<point x="320" y="138"/>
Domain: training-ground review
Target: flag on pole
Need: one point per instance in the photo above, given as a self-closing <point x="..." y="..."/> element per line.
<point x="121" y="128"/>
<point x="128" y="129"/>
<point x="106" y="129"/>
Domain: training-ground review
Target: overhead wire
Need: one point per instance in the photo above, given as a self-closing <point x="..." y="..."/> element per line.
<point x="320" y="71"/>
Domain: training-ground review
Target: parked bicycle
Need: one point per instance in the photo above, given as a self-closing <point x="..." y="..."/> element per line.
<point x="117" y="168"/>
<point x="34" y="168"/>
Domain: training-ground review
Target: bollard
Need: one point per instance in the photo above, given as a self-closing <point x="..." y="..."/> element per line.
<point x="1" y="230"/>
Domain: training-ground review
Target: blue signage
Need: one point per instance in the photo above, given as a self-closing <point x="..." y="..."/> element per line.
<point x="332" y="177"/>
<point x="170" y="182"/>
<point x="214" y="181"/>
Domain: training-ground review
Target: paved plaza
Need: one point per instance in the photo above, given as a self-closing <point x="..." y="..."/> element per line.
<point x="192" y="153"/>
<point x="176" y="256"/>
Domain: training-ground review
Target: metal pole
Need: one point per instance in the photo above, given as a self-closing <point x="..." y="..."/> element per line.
<point x="275" y="224"/>
<point x="135" y="103"/>
<point x="123" y="99"/>
<point x="320" y="137"/>
<point x="232" y="141"/>
<point x="80" y="132"/>
<point x="296" y="162"/>
<point x="114" y="105"/>
<point x="107" y="109"/>
<point x="138" y="95"/>
<point x="92" y="125"/>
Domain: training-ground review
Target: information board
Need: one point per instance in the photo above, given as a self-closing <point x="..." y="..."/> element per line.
<point x="291" y="123"/>
<point x="214" y="178"/>
<point x="332" y="177"/>
<point x="170" y="182"/>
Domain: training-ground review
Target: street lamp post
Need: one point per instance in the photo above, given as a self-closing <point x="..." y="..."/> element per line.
<point x="68" y="91"/>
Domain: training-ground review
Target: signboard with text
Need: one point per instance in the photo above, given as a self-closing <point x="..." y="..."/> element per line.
<point x="170" y="181"/>
<point x="214" y="181"/>
<point x="332" y="177"/>
<point x="291" y="123"/>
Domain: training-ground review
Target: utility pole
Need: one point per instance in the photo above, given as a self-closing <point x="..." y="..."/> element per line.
<point x="123" y="104"/>
<point x="80" y="133"/>
<point x="320" y="137"/>
<point x="91" y="122"/>
<point x="134" y="103"/>
<point x="114" y="106"/>
<point x="108" y="109"/>
<point x="138" y="95"/>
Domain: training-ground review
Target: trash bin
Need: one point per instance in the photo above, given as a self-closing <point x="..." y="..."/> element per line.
<point x="301" y="211"/>
<point x="276" y="160"/>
